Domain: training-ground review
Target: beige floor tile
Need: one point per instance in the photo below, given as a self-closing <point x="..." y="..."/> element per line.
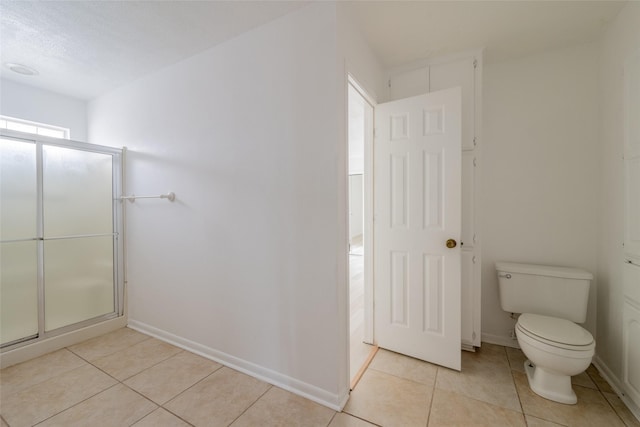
<point x="489" y="353"/>
<point x="453" y="409"/>
<point x="584" y="380"/>
<point x="24" y="375"/>
<point x="621" y="409"/>
<point x="516" y="359"/>
<point x="387" y="400"/>
<point x="107" y="344"/>
<point x="592" y="408"/>
<point x="117" y="406"/>
<point x="43" y="400"/>
<point x="538" y="422"/>
<point x="128" y="362"/>
<point x="602" y="384"/>
<point x="278" y="407"/>
<point x="171" y="377"/>
<point x="485" y="376"/>
<point x="404" y="367"/>
<point x="345" y="420"/>
<point x="218" y="399"/>
<point x="161" y="418"/>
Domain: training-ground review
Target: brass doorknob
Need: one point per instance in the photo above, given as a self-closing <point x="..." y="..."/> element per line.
<point x="451" y="243"/>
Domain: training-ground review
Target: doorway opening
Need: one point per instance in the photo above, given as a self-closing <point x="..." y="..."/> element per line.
<point x="360" y="141"/>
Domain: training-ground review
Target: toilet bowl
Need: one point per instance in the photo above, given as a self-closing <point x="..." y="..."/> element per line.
<point x="552" y="301"/>
<point x="556" y="350"/>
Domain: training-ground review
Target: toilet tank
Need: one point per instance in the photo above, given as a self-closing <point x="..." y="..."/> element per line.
<point x="541" y="289"/>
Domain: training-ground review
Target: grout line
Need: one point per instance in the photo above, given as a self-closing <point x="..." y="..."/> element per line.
<point x="611" y="405"/>
<point x="75" y="404"/>
<point x="190" y="387"/>
<point x="254" y="402"/>
<point x="515" y="387"/>
<point x="335" y="414"/>
<point x="177" y="416"/>
<point x="433" y="395"/>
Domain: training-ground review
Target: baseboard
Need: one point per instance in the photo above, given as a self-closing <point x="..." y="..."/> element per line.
<point x="37" y="349"/>
<point x="308" y="391"/>
<point x="500" y="340"/>
<point x="616" y="385"/>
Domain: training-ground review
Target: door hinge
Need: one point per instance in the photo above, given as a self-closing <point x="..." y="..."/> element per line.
<point x="475" y="63"/>
<point x="474" y="162"/>
<point x="473" y="259"/>
<point x="389" y="82"/>
<point x="475" y="141"/>
<point x="474" y="238"/>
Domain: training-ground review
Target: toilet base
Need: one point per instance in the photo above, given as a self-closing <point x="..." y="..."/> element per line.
<point x="550" y="385"/>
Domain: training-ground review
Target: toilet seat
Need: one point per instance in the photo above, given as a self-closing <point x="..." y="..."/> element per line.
<point x="555" y="332"/>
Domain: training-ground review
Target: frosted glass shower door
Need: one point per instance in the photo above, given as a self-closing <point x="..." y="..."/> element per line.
<point x="18" y="241"/>
<point x="78" y="236"/>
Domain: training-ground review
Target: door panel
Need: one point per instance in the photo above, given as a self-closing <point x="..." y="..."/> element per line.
<point x="79" y="274"/>
<point x="78" y="235"/>
<point x="18" y="290"/>
<point x="18" y="233"/>
<point x="417" y="209"/>
<point x="77" y="192"/>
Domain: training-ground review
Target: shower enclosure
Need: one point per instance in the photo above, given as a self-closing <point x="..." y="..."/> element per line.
<point x="60" y="237"/>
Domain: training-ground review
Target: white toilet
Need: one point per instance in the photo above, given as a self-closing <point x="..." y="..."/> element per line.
<point x="550" y="299"/>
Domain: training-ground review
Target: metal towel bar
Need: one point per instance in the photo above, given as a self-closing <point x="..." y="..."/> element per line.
<point x="171" y="197"/>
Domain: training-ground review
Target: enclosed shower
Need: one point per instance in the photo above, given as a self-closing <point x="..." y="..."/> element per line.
<point x="60" y="237"/>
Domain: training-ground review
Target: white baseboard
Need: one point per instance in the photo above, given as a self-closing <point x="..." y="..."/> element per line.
<point x="616" y="385"/>
<point x="30" y="351"/>
<point x="308" y="391"/>
<point x="500" y="340"/>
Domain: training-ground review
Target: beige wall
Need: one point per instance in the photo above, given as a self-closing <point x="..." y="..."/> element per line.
<point x="540" y="170"/>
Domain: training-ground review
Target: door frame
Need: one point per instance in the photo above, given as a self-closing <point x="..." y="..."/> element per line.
<point x="368" y="335"/>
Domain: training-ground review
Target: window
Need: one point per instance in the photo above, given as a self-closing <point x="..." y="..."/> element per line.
<point x="27" y="126"/>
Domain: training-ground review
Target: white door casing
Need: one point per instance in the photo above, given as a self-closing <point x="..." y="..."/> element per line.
<point x="417" y="208"/>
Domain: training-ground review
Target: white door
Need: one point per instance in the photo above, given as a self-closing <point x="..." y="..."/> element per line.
<point x="417" y="193"/>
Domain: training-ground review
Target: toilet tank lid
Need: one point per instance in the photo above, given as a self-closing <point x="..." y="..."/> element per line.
<point x="544" y="270"/>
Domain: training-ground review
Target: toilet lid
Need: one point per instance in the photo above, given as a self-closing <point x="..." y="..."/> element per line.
<point x="556" y="330"/>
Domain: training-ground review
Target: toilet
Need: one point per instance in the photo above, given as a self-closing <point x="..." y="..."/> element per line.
<point x="551" y="302"/>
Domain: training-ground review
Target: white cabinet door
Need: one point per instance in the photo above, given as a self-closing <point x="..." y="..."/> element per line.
<point x="632" y="158"/>
<point x="468" y="236"/>
<point x="470" y="296"/>
<point x="631" y="351"/>
<point x="417" y="177"/>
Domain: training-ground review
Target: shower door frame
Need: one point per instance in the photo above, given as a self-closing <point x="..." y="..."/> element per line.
<point x="117" y="186"/>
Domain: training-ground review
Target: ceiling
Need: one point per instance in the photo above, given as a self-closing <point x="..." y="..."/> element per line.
<point x="402" y="32"/>
<point x="86" y="48"/>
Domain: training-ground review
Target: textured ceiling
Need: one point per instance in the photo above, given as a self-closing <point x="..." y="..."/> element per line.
<point x="86" y="48"/>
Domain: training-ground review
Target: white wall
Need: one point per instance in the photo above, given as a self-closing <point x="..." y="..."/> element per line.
<point x="38" y="105"/>
<point x="621" y="39"/>
<point x="245" y="265"/>
<point x="358" y="58"/>
<point x="540" y="171"/>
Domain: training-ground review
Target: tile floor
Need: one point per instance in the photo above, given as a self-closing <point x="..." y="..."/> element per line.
<point x="126" y="378"/>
